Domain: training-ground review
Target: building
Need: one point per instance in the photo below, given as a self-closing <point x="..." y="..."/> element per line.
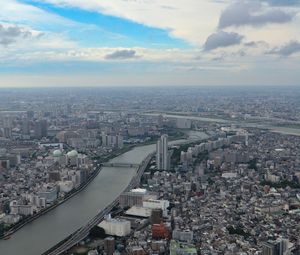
<point x="113" y="141"/>
<point x="156" y="216"/>
<point x="134" y="197"/>
<point x="162" y="154"/>
<point x="7" y="129"/>
<point x="271" y="247"/>
<point x="159" y="231"/>
<point x="139" y="211"/>
<point x="4" y="163"/>
<point x="17" y="209"/>
<point x="183" y="235"/>
<point x="179" y="249"/>
<point x="109" y="245"/>
<point x="157" y="204"/>
<point x="50" y="194"/>
<point x="65" y="186"/>
<point x="25" y="126"/>
<point x="136" y="251"/>
<point x="183" y="123"/>
<point x="72" y="158"/>
<point x="116" y="227"/>
<point x="40" y="129"/>
<point x="54" y="176"/>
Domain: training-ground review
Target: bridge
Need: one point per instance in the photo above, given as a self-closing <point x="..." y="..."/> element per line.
<point x="125" y="165"/>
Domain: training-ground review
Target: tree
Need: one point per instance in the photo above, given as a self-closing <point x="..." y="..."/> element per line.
<point x="97" y="232"/>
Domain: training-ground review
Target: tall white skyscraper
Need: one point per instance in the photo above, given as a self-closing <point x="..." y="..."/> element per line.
<point x="162" y="155"/>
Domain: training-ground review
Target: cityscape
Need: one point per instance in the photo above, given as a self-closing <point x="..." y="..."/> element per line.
<point x="203" y="178"/>
<point x="149" y="127"/>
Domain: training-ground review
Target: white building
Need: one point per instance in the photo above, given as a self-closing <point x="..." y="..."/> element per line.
<point x="116" y="227"/>
<point x="16" y="209"/>
<point x="157" y="204"/>
<point x="66" y="186"/>
<point x="114" y="141"/>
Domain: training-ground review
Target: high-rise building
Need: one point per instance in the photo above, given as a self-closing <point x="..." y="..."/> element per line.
<point x="115" y="141"/>
<point x="25" y="126"/>
<point x="40" y="129"/>
<point x="7" y="130"/>
<point x="274" y="247"/>
<point x="162" y="155"/>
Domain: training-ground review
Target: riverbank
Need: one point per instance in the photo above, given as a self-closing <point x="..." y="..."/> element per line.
<point x="261" y="124"/>
<point x="69" y="195"/>
<point x="8" y="233"/>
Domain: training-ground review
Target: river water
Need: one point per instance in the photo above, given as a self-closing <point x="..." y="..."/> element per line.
<point x="43" y="233"/>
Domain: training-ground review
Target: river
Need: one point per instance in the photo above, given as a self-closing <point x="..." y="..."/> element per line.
<point x="46" y="231"/>
<point x="259" y="124"/>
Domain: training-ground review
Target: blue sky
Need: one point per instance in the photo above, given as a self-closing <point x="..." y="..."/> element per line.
<point x="109" y="31"/>
<point x="143" y="42"/>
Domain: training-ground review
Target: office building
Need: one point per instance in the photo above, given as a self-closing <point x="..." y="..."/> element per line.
<point x="162" y="154"/>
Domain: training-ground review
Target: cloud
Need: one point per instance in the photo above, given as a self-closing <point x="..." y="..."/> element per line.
<point x="287" y="49"/>
<point x="222" y="39"/>
<point x="252" y="14"/>
<point x="10" y="34"/>
<point x="185" y="19"/>
<point x="256" y="44"/>
<point x="122" y="55"/>
<point x="282" y="2"/>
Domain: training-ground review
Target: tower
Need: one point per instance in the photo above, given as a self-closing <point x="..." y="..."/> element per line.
<point x="165" y="157"/>
<point x="7" y="127"/>
<point x="158" y="155"/>
<point x="162" y="154"/>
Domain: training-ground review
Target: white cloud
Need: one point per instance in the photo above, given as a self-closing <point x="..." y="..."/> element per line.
<point x="191" y="20"/>
<point x="14" y="12"/>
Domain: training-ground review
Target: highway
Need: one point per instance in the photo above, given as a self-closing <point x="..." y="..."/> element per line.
<point x="83" y="232"/>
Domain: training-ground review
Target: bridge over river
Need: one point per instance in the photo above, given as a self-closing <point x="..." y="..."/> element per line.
<point x="123" y="165"/>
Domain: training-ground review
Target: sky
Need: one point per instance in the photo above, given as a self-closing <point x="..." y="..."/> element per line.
<point x="59" y="43"/>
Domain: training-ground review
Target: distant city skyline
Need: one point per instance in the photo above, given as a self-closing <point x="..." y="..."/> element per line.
<point x="88" y="43"/>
